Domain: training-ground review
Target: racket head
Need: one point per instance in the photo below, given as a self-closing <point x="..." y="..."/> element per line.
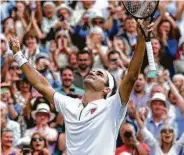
<point x="141" y="9"/>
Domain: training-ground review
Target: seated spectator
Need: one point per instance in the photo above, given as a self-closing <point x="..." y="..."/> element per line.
<point x="67" y="87"/>
<point x="7" y="123"/>
<point x="42" y="117"/>
<point x="7" y="140"/>
<point x="131" y="144"/>
<point x="39" y="144"/>
<point x="72" y="60"/>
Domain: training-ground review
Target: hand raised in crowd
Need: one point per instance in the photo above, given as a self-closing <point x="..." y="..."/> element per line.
<point x="14" y="45"/>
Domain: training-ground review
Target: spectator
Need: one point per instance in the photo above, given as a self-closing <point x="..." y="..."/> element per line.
<point x="130" y="34"/>
<point x="85" y="62"/>
<point x="73" y="63"/>
<point x="43" y="65"/>
<point x="178" y="80"/>
<point x="139" y="96"/>
<point x="167" y="144"/>
<point x="130" y="142"/>
<point x="39" y="144"/>
<point x="116" y="66"/>
<point x="67" y="87"/>
<point x="7" y="123"/>
<point x="7" y="139"/>
<point x="159" y="108"/>
<point x="43" y="116"/>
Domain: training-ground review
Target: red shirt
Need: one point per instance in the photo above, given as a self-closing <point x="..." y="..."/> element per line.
<point x="123" y="148"/>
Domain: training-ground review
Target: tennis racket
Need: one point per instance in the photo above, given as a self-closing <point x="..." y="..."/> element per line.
<point x="143" y="9"/>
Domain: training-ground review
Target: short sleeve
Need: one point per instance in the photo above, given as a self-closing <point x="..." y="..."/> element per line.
<point x="60" y="102"/>
<point x="117" y="108"/>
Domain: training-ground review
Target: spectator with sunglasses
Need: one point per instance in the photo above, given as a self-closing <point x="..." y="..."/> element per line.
<point x="167" y="144"/>
<point x="39" y="144"/>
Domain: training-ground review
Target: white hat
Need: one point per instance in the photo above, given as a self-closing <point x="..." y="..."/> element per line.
<point x="160" y="97"/>
<point x="43" y="107"/>
<point x="97" y="14"/>
<point x="49" y="3"/>
<point x="64" y="6"/>
<point x="124" y="153"/>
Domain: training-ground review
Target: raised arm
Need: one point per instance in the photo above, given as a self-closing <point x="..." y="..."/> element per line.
<point x="33" y="76"/>
<point x="128" y="81"/>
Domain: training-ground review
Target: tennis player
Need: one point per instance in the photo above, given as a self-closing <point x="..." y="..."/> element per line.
<point x="92" y="123"/>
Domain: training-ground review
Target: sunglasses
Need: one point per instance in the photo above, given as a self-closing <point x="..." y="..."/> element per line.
<point x="167" y="130"/>
<point x="14" y="67"/>
<point x="97" y="22"/>
<point x="37" y="139"/>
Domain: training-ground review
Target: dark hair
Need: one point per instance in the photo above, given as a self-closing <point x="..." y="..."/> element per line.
<point x="65" y="68"/>
<point x="112" y="52"/>
<point x="30" y="34"/>
<point x="41" y="136"/>
<point x="83" y="52"/>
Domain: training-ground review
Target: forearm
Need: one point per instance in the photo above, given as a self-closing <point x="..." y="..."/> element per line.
<point x="12" y="112"/>
<point x="179" y="98"/>
<point x="133" y="70"/>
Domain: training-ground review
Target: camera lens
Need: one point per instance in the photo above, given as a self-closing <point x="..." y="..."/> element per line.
<point x="128" y="134"/>
<point x="61" y="18"/>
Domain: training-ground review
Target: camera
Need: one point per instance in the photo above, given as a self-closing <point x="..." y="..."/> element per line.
<point x="61" y="18"/>
<point x="26" y="151"/>
<point x="128" y="134"/>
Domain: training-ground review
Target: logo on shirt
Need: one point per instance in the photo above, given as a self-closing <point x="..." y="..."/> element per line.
<point x="93" y="110"/>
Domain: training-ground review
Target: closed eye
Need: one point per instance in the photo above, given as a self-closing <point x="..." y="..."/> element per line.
<point x="100" y="73"/>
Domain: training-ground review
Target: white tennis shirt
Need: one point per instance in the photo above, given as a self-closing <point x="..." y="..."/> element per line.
<point x="93" y="129"/>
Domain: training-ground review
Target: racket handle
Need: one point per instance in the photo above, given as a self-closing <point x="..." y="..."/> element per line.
<point x="151" y="60"/>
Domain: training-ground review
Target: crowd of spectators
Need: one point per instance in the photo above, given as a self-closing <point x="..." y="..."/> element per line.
<point x="63" y="40"/>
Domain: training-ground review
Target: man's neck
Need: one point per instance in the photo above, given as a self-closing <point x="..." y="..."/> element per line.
<point x="140" y="94"/>
<point x="132" y="34"/>
<point x="91" y="96"/>
<point x="166" y="147"/>
<point x="66" y="89"/>
<point x="83" y="73"/>
<point x="157" y="119"/>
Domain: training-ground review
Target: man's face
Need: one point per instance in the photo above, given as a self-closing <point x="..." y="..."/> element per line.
<point x="31" y="42"/>
<point x="157" y="108"/>
<point x="84" y="61"/>
<point x="42" y="118"/>
<point x="67" y="78"/>
<point x="130" y="25"/>
<point x="96" y="79"/>
<point x="139" y="84"/>
<point x="98" y="22"/>
<point x="7" y="139"/>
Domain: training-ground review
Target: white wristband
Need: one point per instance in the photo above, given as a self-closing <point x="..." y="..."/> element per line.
<point x="20" y="58"/>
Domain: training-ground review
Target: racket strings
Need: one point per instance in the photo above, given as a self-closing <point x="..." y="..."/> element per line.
<point x="140" y="9"/>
